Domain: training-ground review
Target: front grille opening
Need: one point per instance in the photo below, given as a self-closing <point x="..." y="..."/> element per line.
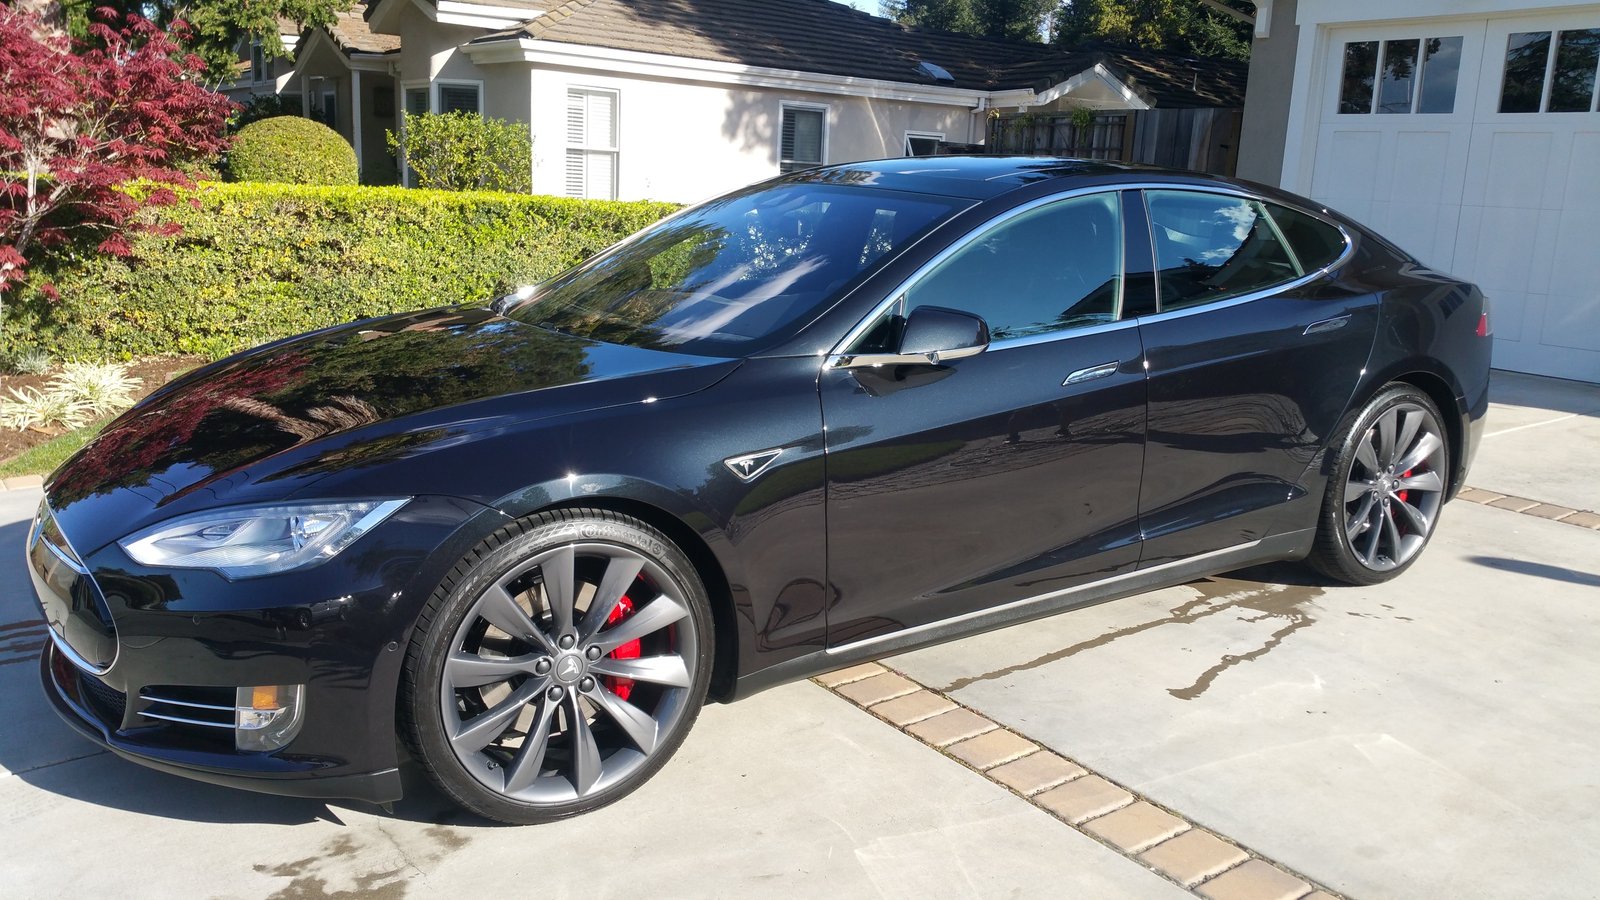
<point x="108" y="702"/>
<point x="200" y="707"/>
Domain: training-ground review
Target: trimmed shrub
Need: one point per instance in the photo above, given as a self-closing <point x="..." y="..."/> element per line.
<point x="256" y="262"/>
<point x="291" y="150"/>
<point x="464" y="151"/>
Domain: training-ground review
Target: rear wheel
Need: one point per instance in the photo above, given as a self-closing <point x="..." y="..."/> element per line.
<point x="1388" y="485"/>
<point x="559" y="668"/>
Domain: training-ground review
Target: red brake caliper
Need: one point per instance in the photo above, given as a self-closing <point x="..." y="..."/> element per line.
<point x="622" y="687"/>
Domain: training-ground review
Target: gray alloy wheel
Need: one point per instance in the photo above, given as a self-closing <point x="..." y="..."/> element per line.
<point x="1389" y="486"/>
<point x="565" y="669"/>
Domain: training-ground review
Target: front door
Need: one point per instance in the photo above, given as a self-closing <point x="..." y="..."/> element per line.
<point x="1007" y="475"/>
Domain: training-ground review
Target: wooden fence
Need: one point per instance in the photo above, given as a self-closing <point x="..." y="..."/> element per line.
<point x="1202" y="140"/>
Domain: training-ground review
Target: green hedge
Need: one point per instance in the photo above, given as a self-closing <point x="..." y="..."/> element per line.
<point x="291" y="150"/>
<point x="255" y="262"/>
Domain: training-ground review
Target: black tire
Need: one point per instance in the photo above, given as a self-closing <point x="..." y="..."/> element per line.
<point x="1376" y="519"/>
<point x="581" y="722"/>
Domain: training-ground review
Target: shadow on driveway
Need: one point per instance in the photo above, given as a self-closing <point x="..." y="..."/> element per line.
<point x="1538" y="570"/>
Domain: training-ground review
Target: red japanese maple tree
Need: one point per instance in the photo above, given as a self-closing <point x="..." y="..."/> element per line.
<point x="79" y="121"/>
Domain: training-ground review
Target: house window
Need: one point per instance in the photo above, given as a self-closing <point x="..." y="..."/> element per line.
<point x="329" y="113"/>
<point x="803" y="139"/>
<point x="923" y="143"/>
<point x="1415" y="75"/>
<point x="460" y="96"/>
<point x="1537" y="80"/>
<point x="259" y="70"/>
<point x="416" y="101"/>
<point x="592" y="144"/>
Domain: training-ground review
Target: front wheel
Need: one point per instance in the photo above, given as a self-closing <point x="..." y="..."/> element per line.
<point x="558" y="668"/>
<point x="1389" y="480"/>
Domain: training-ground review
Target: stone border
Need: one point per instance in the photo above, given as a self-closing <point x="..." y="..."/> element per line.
<point x="21" y="482"/>
<point x="1583" y="518"/>
<point x="1156" y="837"/>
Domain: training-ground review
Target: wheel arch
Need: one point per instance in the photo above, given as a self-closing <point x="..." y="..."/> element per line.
<point x="1438" y="386"/>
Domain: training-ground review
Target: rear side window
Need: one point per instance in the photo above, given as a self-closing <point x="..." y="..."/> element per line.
<point x="1211" y="247"/>
<point x="1316" y="244"/>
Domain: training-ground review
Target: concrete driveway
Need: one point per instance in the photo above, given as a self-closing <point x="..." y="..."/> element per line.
<point x="1434" y="737"/>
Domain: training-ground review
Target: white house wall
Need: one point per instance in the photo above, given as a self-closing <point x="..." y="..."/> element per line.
<point x="684" y="141"/>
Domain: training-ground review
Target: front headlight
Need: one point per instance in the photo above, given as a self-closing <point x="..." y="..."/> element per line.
<point x="247" y="541"/>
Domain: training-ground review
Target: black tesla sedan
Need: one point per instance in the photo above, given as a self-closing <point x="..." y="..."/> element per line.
<point x="831" y="417"/>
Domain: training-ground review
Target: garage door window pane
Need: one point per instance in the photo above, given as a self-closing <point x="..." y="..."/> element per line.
<point x="1315" y="243"/>
<point x="1210" y="247"/>
<point x="1441" y="68"/>
<point x="1523" y="88"/>
<point x="1577" y="55"/>
<point x="1360" y="70"/>
<point x="1057" y="267"/>
<point x="1399" y="76"/>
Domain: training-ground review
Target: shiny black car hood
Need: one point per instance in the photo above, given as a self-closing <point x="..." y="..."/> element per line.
<point x="269" y="422"/>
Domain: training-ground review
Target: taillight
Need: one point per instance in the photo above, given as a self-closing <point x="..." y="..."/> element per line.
<point x="1483" y="321"/>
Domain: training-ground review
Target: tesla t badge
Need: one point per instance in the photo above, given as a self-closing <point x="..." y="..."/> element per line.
<point x="748" y="466"/>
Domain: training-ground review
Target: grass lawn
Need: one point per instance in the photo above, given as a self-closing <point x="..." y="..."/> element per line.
<point x="43" y="458"/>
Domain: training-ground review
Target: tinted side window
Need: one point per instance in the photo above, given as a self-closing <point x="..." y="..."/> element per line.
<point x="1059" y="266"/>
<point x="1210" y="247"/>
<point x="1315" y="243"/>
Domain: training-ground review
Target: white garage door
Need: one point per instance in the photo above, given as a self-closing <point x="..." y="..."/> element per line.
<point x="1475" y="145"/>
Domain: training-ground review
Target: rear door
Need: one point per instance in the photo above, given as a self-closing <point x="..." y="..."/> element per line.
<point x="1252" y="358"/>
<point x="1006" y="475"/>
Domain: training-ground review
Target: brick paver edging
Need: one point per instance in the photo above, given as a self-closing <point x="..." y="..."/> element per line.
<point x="1583" y="518"/>
<point x="1160" y="839"/>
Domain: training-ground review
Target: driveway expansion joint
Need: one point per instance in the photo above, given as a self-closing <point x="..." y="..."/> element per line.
<point x="1156" y="837"/>
<point x="1583" y="518"/>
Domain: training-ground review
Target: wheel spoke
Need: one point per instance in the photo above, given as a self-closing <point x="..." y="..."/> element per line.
<point x="652" y="617"/>
<point x="620" y="575"/>
<point x="1424" y="448"/>
<point x="504" y="612"/>
<point x="530" y="759"/>
<point x="586" y="762"/>
<point x="1422" y="481"/>
<point x="1391" y="530"/>
<point x="1375" y="530"/>
<point x="664" y="670"/>
<point x="1386" y="435"/>
<point x="1410" y="421"/>
<point x="1361" y="517"/>
<point x="635" y="722"/>
<point x="1365" y="454"/>
<point x="1415" y="519"/>
<point x="465" y="670"/>
<point x="1354" y="490"/>
<point x="560" y="587"/>
<point x="476" y="734"/>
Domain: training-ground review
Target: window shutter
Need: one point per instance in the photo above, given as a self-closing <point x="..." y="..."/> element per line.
<point x="800" y="139"/>
<point x="591" y="144"/>
<point x="600" y="176"/>
<point x="458" y="98"/>
<point x="577" y="113"/>
<point x="577" y="175"/>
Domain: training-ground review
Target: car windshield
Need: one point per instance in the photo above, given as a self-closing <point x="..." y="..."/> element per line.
<point x="737" y="274"/>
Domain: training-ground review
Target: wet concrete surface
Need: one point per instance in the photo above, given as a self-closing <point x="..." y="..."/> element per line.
<point x="1431" y="737"/>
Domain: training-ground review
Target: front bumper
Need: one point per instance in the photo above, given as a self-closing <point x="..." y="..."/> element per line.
<point x="181" y="642"/>
<point x="86" y="704"/>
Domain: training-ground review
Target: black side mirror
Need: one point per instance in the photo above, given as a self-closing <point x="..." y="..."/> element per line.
<point x="945" y="333"/>
<point x="932" y="336"/>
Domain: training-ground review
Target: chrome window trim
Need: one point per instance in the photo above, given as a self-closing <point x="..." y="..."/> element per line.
<point x="833" y="357"/>
<point x="1163" y="315"/>
<point x="862" y="327"/>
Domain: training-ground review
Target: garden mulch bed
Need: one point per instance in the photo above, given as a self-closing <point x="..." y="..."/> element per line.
<point x="152" y="373"/>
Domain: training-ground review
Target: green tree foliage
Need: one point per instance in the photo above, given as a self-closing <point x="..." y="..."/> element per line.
<point x="1171" y="26"/>
<point x="291" y="150"/>
<point x="464" y="151"/>
<point x="217" y="26"/>
<point x="255" y="262"/>
<point x="1021" y="20"/>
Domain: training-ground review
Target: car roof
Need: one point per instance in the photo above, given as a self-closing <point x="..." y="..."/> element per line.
<point x="984" y="177"/>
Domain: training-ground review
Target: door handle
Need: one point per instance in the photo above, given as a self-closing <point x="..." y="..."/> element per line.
<point x="1092" y="373"/>
<point x="1333" y="324"/>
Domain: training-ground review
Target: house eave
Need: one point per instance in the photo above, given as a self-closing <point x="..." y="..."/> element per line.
<point x="629" y="62"/>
